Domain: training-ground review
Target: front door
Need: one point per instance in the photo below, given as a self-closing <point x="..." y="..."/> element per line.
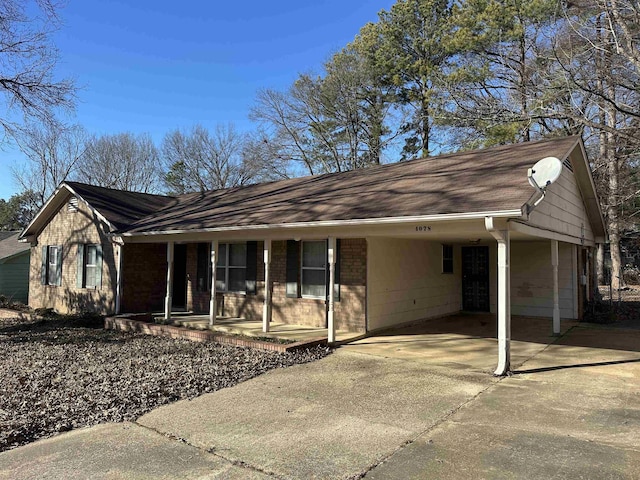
<point x="475" y="279"/>
<point x="179" y="299"/>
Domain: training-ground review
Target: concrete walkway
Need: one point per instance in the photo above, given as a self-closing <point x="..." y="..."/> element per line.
<point x="571" y="410"/>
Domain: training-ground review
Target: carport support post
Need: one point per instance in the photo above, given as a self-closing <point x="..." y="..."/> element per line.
<point x="212" y="303"/>
<point x="266" y="309"/>
<point x="556" y="294"/>
<point x="119" y="278"/>
<point x="500" y="231"/>
<point x="331" y="326"/>
<point x="168" y="298"/>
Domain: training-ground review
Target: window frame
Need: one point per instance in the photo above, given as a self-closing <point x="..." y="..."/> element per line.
<point x="227" y="267"/>
<point x="447" y="260"/>
<point x="52" y="266"/>
<point x="322" y="269"/>
<point x="85" y="264"/>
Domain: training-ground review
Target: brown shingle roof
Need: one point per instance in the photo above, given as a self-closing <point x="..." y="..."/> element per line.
<point x="121" y="208"/>
<point x="493" y="179"/>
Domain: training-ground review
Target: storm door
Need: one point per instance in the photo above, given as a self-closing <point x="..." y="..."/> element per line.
<point x="475" y="279"/>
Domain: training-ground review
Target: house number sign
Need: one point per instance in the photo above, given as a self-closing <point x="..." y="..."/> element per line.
<point x="423" y="228"/>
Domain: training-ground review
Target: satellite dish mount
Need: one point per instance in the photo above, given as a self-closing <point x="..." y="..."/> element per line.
<point x="543" y="174"/>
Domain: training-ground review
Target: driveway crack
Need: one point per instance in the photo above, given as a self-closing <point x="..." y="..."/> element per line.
<point x="212" y="451"/>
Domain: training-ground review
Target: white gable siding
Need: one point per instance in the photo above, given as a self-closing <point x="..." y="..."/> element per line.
<point x="405" y="282"/>
<point x="563" y="209"/>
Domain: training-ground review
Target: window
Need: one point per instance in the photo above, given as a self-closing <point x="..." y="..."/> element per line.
<point x="90" y="266"/>
<point x="52" y="269"/>
<point x="89" y="274"/>
<point x="231" y="267"/>
<point x="447" y="258"/>
<point x="314" y="268"/>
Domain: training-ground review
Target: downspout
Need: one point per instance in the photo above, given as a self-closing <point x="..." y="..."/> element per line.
<point x="499" y="229"/>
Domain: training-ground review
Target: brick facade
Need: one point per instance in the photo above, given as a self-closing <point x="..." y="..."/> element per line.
<point x="350" y="310"/>
<point x="70" y="229"/>
<point x="144" y="277"/>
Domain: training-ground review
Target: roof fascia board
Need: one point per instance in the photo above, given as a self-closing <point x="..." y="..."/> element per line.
<point x="340" y="223"/>
<point x="14" y="255"/>
<point x="586" y="172"/>
<point x="549" y="234"/>
<point x="49" y="203"/>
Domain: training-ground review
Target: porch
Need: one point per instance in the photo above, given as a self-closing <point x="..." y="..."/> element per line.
<point x="254" y="328"/>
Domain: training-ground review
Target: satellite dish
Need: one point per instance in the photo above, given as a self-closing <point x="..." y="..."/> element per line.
<point x="544" y="173"/>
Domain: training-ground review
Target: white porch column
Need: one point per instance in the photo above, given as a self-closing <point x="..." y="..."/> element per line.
<point x="212" y="303"/>
<point x="556" y="293"/>
<point x="500" y="231"/>
<point x="331" y="326"/>
<point x="168" y="298"/>
<point x="119" y="278"/>
<point x="266" y="309"/>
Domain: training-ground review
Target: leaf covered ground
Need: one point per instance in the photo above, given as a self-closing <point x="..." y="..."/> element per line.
<point x="61" y="374"/>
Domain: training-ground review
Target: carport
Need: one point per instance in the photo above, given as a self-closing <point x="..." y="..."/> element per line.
<point x="465" y="341"/>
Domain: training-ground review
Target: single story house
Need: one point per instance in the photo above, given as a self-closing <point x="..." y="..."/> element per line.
<point x="14" y="267"/>
<point x="362" y="250"/>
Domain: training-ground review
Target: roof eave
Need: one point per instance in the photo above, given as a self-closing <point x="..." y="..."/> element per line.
<point x="514" y="213"/>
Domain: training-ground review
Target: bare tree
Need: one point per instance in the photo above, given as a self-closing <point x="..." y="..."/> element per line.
<point x="123" y="161"/>
<point x="30" y="91"/>
<point x="53" y="153"/>
<point x="199" y="160"/>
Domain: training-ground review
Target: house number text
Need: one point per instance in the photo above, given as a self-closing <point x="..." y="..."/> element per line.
<point x="423" y="228"/>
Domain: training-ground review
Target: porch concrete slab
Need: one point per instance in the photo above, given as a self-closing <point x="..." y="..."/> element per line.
<point x="329" y="419"/>
<point x="573" y="411"/>
<point x="462" y="342"/>
<point x="241" y="326"/>
<point x="116" y="451"/>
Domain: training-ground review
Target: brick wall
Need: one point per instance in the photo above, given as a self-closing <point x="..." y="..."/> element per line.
<point x="350" y="311"/>
<point x="70" y="229"/>
<point x="144" y="277"/>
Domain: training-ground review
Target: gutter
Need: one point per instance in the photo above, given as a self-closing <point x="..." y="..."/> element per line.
<point x="519" y="213"/>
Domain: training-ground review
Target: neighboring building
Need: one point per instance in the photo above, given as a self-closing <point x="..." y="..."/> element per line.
<point x="394" y="244"/>
<point x="14" y="268"/>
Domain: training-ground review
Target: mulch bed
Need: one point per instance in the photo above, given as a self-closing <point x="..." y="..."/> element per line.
<point x="61" y="374"/>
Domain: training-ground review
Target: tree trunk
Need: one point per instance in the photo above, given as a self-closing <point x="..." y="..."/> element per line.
<point x="613" y="171"/>
<point x="600" y="264"/>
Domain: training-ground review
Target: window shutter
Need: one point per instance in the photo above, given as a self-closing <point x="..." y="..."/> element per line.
<point x="98" y="266"/>
<point x="336" y="290"/>
<point x="59" y="267"/>
<point x="252" y="267"/>
<point x="202" y="267"/>
<point x="43" y="271"/>
<point x="80" y="267"/>
<point x="293" y="264"/>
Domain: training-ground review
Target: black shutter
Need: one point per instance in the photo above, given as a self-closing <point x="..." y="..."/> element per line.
<point x="45" y="265"/>
<point x="336" y="290"/>
<point x="336" y="272"/>
<point x="293" y="266"/>
<point x="252" y="267"/>
<point x="202" y="267"/>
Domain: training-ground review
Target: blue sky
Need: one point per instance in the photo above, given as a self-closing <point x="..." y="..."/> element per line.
<point x="153" y="66"/>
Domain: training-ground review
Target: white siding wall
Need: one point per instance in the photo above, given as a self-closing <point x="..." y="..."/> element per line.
<point x="405" y="282"/>
<point x="532" y="279"/>
<point x="563" y="209"/>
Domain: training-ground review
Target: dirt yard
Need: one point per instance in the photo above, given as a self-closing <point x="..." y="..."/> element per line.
<point x="63" y="374"/>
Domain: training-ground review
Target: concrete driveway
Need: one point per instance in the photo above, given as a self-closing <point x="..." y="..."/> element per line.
<point x="571" y="410"/>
